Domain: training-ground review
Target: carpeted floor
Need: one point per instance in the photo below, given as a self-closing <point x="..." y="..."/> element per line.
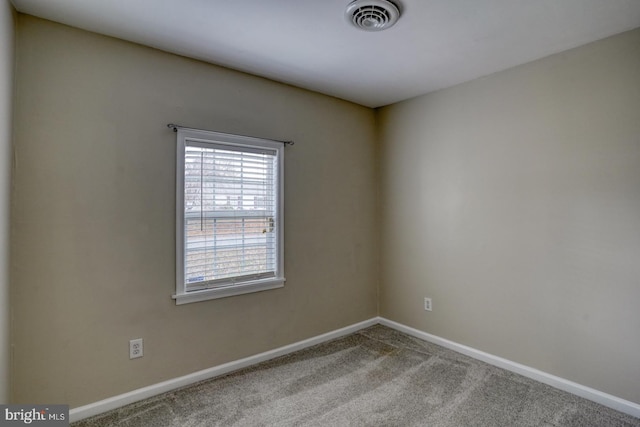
<point x="376" y="377"/>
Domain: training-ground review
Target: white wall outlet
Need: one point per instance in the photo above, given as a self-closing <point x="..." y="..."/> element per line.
<point x="135" y="348"/>
<point x="427" y="304"/>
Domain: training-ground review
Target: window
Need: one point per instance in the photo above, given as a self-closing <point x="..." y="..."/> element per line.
<point x="229" y="229"/>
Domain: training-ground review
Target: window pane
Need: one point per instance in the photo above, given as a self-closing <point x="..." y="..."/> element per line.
<point x="230" y="204"/>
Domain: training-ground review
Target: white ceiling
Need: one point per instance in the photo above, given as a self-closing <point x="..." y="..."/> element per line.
<point x="309" y="43"/>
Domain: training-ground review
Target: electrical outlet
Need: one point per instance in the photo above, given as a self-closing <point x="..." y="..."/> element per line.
<point x="427" y="304"/>
<point x="135" y="348"/>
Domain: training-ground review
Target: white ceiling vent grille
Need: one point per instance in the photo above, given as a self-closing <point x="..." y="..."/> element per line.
<point x="372" y="15"/>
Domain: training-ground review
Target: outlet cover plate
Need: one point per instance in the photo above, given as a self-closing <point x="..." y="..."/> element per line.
<point x="135" y="348"/>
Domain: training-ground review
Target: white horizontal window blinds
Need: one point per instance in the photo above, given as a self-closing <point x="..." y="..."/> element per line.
<point x="230" y="203"/>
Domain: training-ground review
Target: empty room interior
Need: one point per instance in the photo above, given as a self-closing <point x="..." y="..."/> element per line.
<point x="461" y="177"/>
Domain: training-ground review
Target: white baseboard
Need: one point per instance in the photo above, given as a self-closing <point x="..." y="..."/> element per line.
<point x="594" y="395"/>
<point x="105" y="405"/>
<point x="96" y="408"/>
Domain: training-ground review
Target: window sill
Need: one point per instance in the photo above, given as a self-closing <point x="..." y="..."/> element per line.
<point x="228" y="291"/>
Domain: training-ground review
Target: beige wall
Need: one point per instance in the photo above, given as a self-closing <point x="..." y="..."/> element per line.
<point x="7" y="41"/>
<point x="94" y="208"/>
<point x="514" y="202"/>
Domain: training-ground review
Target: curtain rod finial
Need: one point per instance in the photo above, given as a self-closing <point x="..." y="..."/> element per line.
<point x="172" y="126"/>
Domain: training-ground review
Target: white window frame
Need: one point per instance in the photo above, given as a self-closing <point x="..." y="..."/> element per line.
<point x="182" y="296"/>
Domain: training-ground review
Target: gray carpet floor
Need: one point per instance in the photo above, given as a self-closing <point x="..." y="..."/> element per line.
<point x="375" y="377"/>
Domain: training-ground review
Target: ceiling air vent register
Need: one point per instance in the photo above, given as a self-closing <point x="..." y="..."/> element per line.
<point x="372" y="15"/>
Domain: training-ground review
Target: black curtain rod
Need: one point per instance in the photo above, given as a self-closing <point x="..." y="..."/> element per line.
<point x="176" y="127"/>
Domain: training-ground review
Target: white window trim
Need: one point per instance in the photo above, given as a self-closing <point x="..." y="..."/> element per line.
<point x="182" y="296"/>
